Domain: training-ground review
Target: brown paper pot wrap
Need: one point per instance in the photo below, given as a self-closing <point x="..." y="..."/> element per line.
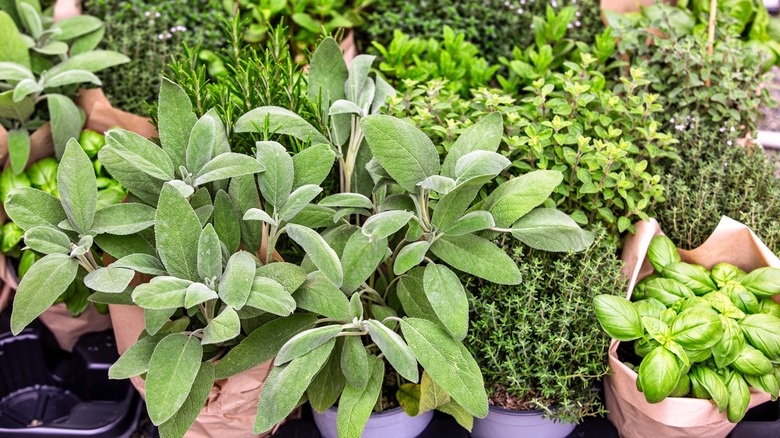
<point x="232" y="404"/>
<point x="675" y="417"/>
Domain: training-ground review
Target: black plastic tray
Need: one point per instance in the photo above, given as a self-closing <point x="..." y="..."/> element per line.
<point x="46" y="392"/>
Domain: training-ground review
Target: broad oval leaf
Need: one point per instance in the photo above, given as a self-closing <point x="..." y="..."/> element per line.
<point x="298" y="200"/>
<point x="47" y="240"/>
<point x="177" y="231"/>
<point x="662" y="252"/>
<point x="618" y="317"/>
<point x="448" y="299"/>
<point x="123" y="219"/>
<point x="480" y="163"/>
<point x="305" y="342"/>
<point x="548" y="229"/>
<point x="135" y="361"/>
<point x="357" y="403"/>
<point x="172" y="370"/>
<point x="140" y="153"/>
<point x="410" y="256"/>
<point x="270" y="296"/>
<point x="43" y="283"/>
<point x="198" y="293"/>
<point x="470" y="223"/>
<point x="77" y="185"/>
<point x="209" y="254"/>
<point x="484" y="135"/>
<point x="183" y="419"/>
<point x="397" y="353"/>
<point x="200" y="145"/>
<point x="448" y="363"/>
<point x="320" y="253"/>
<point x="477" y="256"/>
<point x="360" y="258"/>
<point x="277" y="181"/>
<point x="29" y="208"/>
<point x="697" y="328"/>
<point x="236" y="282"/>
<point x="404" y="151"/>
<point x="143" y="263"/>
<point x="518" y="196"/>
<point x="313" y="164"/>
<point x="763" y="282"/>
<point x="354" y="361"/>
<point x="763" y="332"/>
<point x="227" y="165"/>
<point x="318" y="295"/>
<point x="109" y="279"/>
<point x="175" y="121"/>
<point x="660" y="372"/>
<point x="355" y="200"/>
<point x="223" y="327"/>
<point x="280" y="121"/>
<point x="161" y="293"/>
<point x="385" y="224"/>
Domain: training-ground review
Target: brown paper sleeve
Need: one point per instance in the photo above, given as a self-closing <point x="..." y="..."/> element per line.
<point x="677" y="417"/>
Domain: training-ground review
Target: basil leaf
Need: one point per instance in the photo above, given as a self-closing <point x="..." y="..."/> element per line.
<point x="739" y="397"/>
<point x="763" y="282"/>
<point x="618" y="317"/>
<point x="752" y="362"/>
<point x="660" y="372"/>
<point x="713" y="384"/>
<point x="695" y="277"/>
<point x="731" y="343"/>
<point x="763" y="332"/>
<point x="722" y="273"/>
<point x="667" y="291"/>
<point x="697" y="328"/>
<point x="661" y="252"/>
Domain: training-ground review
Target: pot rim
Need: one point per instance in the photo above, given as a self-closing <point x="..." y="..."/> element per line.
<point x="527" y="412"/>
<point x="385" y="413"/>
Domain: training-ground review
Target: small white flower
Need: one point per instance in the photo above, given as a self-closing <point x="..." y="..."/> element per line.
<point x="723" y="129"/>
<point x="506" y="3"/>
<point x="569" y="26"/>
<point x="147" y="13"/>
<point x="577" y="23"/>
<point x="519" y="10"/>
<point x="181" y="28"/>
<point x="729" y="143"/>
<point x="554" y="4"/>
<point x="672" y="120"/>
<point x="577" y="14"/>
<point x="168" y="35"/>
<point x="156" y="15"/>
<point x="160" y="36"/>
<point x="173" y="29"/>
<point x="532" y="25"/>
<point x="522" y="2"/>
<point x="732" y="129"/>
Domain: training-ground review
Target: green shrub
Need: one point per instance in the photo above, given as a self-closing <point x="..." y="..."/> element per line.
<point x="151" y="33"/>
<point x="716" y="178"/>
<point x="496" y="26"/>
<point x="538" y="344"/>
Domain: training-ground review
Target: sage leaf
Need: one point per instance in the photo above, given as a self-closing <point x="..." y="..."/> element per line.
<point x="305" y="342"/>
<point x="477" y="256"/>
<point x="93" y="61"/>
<point x="360" y="258"/>
<point x="123" y="219"/>
<point x="209" y="254"/>
<point x="141" y="185"/>
<point x="357" y="403"/>
<point x="262" y="344"/>
<point x="385" y="224"/>
<point x="480" y="163"/>
<point x="135" y="361"/>
<point x="286" y="384"/>
<point x="298" y="200"/>
<point x="156" y="319"/>
<point x="43" y="283"/>
<point x="255" y="214"/>
<point x="320" y="253"/>
<point x="66" y="121"/>
<point x="327" y="74"/>
<point x="313" y="164"/>
<point x="448" y="363"/>
<point x="200" y="145"/>
<point x="172" y="370"/>
<point x="411" y="293"/>
<point x="175" y="121"/>
<point x="18" y="149"/>
<point x="518" y="196"/>
<point x="354" y="362"/>
<point x="243" y="193"/>
<point x="177" y="231"/>
<point x="358" y="74"/>
<point x="143" y="263"/>
<point x="660" y="372"/>
<point x="763" y="332"/>
<point x="226" y="166"/>
<point x="397" y="353"/>
<point x="484" y="135"/>
<point x="198" y="293"/>
<point x="618" y="317"/>
<point x="448" y="299"/>
<point x="280" y="121"/>
<point x="318" y="295"/>
<point x="437" y="183"/>
<point x="290" y="276"/>
<point x="277" y="181"/>
<point x="226" y="223"/>
<point x="109" y="280"/>
<point x="410" y="256"/>
<point x="222" y="328"/>
<point x="549" y="229"/>
<point x="328" y="384"/>
<point x="432" y="396"/>
<point x="697" y="328"/>
<point x="235" y="285"/>
<point x="141" y="154"/>
<point x="270" y="296"/>
<point x="452" y="205"/>
<point x="661" y="252"/>
<point x="161" y="293"/>
<point x="182" y="420"/>
<point x="763" y="282"/>
<point x="29" y="208"/>
<point x="404" y="151"/>
<point x="470" y="223"/>
<point x="78" y="187"/>
<point x="355" y="200"/>
<point x="47" y="240"/>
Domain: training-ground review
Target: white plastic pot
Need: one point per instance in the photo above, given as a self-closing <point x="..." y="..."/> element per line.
<point x="393" y="423"/>
<point x="503" y="423"/>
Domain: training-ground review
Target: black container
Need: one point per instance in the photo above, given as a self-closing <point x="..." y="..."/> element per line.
<point x="46" y="392"/>
<point x="760" y="421"/>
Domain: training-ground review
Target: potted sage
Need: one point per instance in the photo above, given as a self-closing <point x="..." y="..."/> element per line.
<point x="383" y="269"/>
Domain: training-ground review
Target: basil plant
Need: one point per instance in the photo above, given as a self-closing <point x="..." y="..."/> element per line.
<point x="699" y="333"/>
<point x="382" y="267"/>
<point x="43" y="61"/>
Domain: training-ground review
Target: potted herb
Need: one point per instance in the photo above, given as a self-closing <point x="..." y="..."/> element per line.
<point x="384" y="277"/>
<point x="704" y="329"/>
<point x="539" y="352"/>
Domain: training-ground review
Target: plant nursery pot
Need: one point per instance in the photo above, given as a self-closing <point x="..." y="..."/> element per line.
<point x="394" y="423"/>
<point x="45" y="392"/>
<point x="504" y="423"/>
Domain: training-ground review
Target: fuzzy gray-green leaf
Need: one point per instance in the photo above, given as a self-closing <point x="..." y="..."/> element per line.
<point x="270" y="296"/>
<point x="281" y="121"/>
<point x="177" y="230"/>
<point x="223" y="327"/>
<point x="277" y="181"/>
<point x="477" y="256"/>
<point x="175" y="121"/>
<point x="78" y="187"/>
<point x="448" y="299"/>
<point x="484" y="135"/>
<point x="123" y="219"/>
<point x="518" y="196"/>
<point x="318" y="295"/>
<point x="172" y="371"/>
<point x="161" y="293"/>
<point x="548" y="229"/>
<point x="398" y="354"/>
<point x="357" y="403"/>
<point x="320" y="253"/>
<point x="109" y="279"/>
<point x="209" y="254"/>
<point x="305" y="342"/>
<point x="236" y="283"/>
<point x="44" y="282"/>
